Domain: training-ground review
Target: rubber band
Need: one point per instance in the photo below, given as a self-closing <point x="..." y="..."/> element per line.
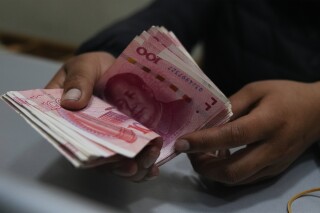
<point x="295" y="197"/>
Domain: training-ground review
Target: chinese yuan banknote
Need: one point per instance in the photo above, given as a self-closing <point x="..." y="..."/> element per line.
<point x="98" y="131"/>
<point x="153" y="90"/>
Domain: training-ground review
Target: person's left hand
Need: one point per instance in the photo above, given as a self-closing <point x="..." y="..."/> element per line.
<point x="275" y="120"/>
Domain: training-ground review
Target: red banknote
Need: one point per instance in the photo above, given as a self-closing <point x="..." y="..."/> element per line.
<point x="154" y="89"/>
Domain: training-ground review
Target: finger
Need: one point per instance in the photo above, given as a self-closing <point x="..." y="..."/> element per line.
<point x="153" y="173"/>
<point x="127" y="168"/>
<point x="111" y="163"/>
<point x="244" y="100"/>
<point x="247" y="129"/>
<point x="132" y="169"/>
<point x="238" y="167"/>
<point x="82" y="73"/>
<point x="78" y="86"/>
<point x="236" y="133"/>
<point x="264" y="174"/>
<point x="57" y="80"/>
<point x="203" y="157"/>
<point x="149" y="154"/>
<point x="146" y="159"/>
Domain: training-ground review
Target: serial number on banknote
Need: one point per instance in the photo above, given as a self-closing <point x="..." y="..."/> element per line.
<point x="185" y="78"/>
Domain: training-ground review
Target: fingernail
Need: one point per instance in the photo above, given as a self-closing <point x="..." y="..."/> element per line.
<point x="182" y="145"/>
<point x="72" y="94"/>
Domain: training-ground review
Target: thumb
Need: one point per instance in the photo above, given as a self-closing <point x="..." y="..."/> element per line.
<point x="244" y="100"/>
<point x="82" y="72"/>
<point x="77" y="89"/>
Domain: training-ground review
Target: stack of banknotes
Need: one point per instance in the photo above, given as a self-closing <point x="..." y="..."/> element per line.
<point x="153" y="90"/>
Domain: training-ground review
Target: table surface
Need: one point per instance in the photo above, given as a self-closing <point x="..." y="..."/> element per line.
<point x="26" y="155"/>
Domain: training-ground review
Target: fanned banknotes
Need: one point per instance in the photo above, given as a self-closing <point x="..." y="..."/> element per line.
<point x="154" y="89"/>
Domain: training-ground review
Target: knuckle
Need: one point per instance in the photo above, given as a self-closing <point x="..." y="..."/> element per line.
<point x="205" y="142"/>
<point x="237" y="134"/>
<point x="72" y="62"/>
<point x="78" y="78"/>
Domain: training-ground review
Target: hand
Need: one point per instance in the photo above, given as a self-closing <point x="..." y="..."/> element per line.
<point x="275" y="120"/>
<point x="78" y="77"/>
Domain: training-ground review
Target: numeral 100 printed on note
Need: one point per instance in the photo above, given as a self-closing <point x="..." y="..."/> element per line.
<point x="153" y="90"/>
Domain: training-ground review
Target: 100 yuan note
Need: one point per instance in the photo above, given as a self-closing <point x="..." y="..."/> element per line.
<point x="99" y="121"/>
<point x="172" y="50"/>
<point x="145" y="86"/>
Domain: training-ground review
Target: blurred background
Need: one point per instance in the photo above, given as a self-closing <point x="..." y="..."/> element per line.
<point x="54" y="29"/>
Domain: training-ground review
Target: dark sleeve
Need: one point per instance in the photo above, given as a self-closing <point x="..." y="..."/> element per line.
<point x="186" y="18"/>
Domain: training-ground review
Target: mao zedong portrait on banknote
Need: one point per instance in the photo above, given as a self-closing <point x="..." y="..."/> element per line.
<point x="132" y="96"/>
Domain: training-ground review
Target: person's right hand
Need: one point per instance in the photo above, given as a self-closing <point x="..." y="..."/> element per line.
<point x="78" y="77"/>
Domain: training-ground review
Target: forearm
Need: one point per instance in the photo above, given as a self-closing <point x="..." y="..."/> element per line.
<point x="184" y="17"/>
